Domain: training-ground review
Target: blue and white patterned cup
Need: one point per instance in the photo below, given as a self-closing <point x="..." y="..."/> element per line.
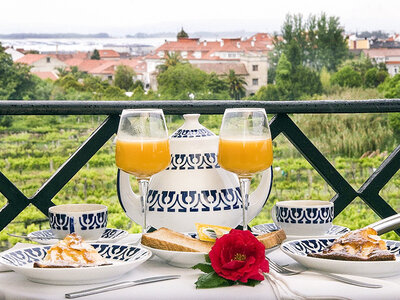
<point x="87" y="220"/>
<point x="303" y="217"/>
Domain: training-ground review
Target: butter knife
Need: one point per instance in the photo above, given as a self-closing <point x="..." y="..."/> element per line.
<point x="387" y="224"/>
<point x="117" y="286"/>
<point x="32" y="237"/>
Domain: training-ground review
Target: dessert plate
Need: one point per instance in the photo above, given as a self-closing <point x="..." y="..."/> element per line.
<point x="334" y="231"/>
<point x="124" y="258"/>
<point x="46" y="237"/>
<point x="298" y="250"/>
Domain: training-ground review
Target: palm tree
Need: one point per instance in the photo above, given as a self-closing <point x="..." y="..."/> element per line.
<point x="171" y="60"/>
<point x="236" y="85"/>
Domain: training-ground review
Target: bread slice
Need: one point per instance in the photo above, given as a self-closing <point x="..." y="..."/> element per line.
<point x="272" y="239"/>
<point x="167" y="239"/>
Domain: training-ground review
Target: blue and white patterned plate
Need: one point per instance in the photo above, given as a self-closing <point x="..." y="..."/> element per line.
<point x="298" y="250"/>
<point x="334" y="231"/>
<point x="124" y="258"/>
<point x="46" y="237"/>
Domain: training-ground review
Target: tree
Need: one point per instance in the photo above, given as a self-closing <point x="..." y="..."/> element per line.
<point x="347" y="77"/>
<point x="267" y="92"/>
<point x="16" y="81"/>
<point x="124" y="77"/>
<point x="292" y="82"/>
<point x="113" y="93"/>
<point x="69" y="82"/>
<point x="374" y="77"/>
<point x="305" y="82"/>
<point x="62" y="71"/>
<point x="95" y="54"/>
<point x="138" y="83"/>
<point x="215" y="84"/>
<point x="330" y="45"/>
<point x="178" y="81"/>
<point x="182" y="34"/>
<point x="315" y="43"/>
<point x="284" y="78"/>
<point x="236" y="85"/>
<point x="391" y="87"/>
<point x="138" y="93"/>
<point x="171" y="59"/>
<point x="95" y="84"/>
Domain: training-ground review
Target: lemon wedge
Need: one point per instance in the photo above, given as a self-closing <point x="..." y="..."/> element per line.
<point x="210" y="233"/>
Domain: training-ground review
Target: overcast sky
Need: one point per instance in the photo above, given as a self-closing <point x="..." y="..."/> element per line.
<point x="119" y="17"/>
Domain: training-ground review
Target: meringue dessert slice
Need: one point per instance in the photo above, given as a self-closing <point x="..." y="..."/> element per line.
<point x="71" y="252"/>
<point x="358" y="245"/>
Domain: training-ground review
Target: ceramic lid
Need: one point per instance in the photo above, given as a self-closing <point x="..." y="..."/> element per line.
<point x="192" y="129"/>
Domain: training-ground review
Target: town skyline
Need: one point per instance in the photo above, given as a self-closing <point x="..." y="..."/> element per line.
<point x="130" y="17"/>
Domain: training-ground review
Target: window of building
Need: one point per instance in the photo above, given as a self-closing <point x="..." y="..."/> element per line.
<point x="255" y="81"/>
<point x="396" y="70"/>
<point x="109" y="77"/>
<point x="47" y="59"/>
<point x="255" y="68"/>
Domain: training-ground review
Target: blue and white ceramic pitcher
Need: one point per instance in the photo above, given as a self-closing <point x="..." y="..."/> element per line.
<point x="194" y="188"/>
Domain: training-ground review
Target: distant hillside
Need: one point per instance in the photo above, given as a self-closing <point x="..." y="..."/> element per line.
<point x="203" y="34"/>
<point x="52" y="35"/>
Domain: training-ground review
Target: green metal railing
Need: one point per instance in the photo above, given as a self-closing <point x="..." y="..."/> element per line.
<point x="281" y="123"/>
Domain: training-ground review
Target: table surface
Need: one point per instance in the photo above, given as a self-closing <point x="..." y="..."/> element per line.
<point x="16" y="286"/>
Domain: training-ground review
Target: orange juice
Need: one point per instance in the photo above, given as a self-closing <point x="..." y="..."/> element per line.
<point x="245" y="157"/>
<point x="142" y="158"/>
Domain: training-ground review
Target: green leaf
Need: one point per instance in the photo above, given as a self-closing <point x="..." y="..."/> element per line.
<point x="207" y="258"/>
<point x="212" y="280"/>
<point x="250" y="282"/>
<point x="204" y="267"/>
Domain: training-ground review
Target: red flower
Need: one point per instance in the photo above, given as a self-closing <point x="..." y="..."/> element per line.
<point x="239" y="256"/>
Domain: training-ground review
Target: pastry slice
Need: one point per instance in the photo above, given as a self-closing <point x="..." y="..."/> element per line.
<point x="71" y="252"/>
<point x="358" y="245"/>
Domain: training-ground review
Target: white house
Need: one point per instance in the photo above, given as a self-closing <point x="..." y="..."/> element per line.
<point x="42" y="62"/>
<point x="389" y="56"/>
<point x="15" y="54"/>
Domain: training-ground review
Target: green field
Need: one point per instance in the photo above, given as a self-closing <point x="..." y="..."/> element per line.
<point x="33" y="147"/>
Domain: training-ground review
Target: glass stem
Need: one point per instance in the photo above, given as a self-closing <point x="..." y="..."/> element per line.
<point x="244" y="190"/>
<point x="143" y="190"/>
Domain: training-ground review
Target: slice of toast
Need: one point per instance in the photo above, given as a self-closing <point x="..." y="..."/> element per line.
<point x="167" y="239"/>
<point x="272" y="239"/>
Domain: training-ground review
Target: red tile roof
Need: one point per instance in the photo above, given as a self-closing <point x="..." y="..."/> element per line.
<point x="108" y="53"/>
<point x="107" y="66"/>
<point x="29" y="59"/>
<point x="73" y="62"/>
<point x="393" y="62"/>
<point x="82" y="55"/>
<point x="382" y="52"/>
<point x="260" y="43"/>
<point x="46" y="75"/>
<point x="85" y="65"/>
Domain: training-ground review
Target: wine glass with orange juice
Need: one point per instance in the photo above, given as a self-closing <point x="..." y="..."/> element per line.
<point x="245" y="147"/>
<point x="142" y="148"/>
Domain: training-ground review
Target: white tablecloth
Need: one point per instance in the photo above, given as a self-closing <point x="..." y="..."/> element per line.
<point x="15" y="286"/>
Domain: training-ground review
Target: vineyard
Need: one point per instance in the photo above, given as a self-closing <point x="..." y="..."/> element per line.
<point x="33" y="147"/>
